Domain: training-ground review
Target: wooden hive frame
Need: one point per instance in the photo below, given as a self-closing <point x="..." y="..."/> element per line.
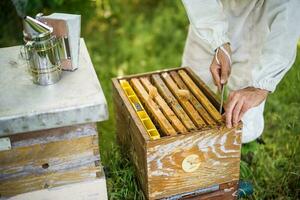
<point x="203" y="159"/>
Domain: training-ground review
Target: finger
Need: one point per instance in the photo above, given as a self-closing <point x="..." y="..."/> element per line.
<point x="223" y="117"/>
<point x="244" y="109"/>
<point x="215" y="71"/>
<point x="236" y="112"/>
<point x="230" y="96"/>
<point x="228" y="111"/>
<point x="225" y="71"/>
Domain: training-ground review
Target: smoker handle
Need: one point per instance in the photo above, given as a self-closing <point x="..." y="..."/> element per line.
<point x="63" y="47"/>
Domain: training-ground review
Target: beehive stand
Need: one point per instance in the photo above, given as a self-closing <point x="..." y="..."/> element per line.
<point x="196" y="156"/>
<point x="48" y="134"/>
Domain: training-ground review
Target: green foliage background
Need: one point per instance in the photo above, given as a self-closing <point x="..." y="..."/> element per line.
<point x="132" y="36"/>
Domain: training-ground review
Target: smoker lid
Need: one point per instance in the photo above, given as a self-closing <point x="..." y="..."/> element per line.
<point x="35" y="29"/>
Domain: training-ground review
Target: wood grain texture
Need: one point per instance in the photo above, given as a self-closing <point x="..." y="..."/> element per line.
<point x="50" y="157"/>
<point x="48" y="180"/>
<point x="88" y="190"/>
<point x="172" y="101"/>
<point x="131" y="134"/>
<point x="204" y="114"/>
<point x="218" y="153"/>
<point x="219" y="195"/>
<point x="166" y="127"/>
<point x="227" y="191"/>
<point x="211" y="96"/>
<point x="42" y="166"/>
<point x="181" y="163"/>
<point x="40" y="153"/>
<point x="149" y="73"/>
<point x="52" y="135"/>
<point x="133" y="149"/>
<point x="200" y="96"/>
<point x="189" y="108"/>
<point x="170" y="115"/>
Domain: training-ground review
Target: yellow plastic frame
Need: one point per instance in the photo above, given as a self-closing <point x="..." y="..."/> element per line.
<point x="139" y="109"/>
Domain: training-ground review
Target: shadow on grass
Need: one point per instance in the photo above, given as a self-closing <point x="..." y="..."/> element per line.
<point x="121" y="181"/>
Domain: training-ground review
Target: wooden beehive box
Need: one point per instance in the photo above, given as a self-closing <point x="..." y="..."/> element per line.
<point x="196" y="155"/>
<point x="48" y="135"/>
<point x="50" y="158"/>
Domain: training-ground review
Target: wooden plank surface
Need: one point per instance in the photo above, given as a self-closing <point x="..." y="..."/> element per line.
<point x="54" y="134"/>
<point x="40" y="153"/>
<point x="131" y="134"/>
<point x="57" y="164"/>
<point x="149" y="73"/>
<point x="213" y="155"/>
<point x="227" y="191"/>
<point x="48" y="180"/>
<point x="171" y="116"/>
<point x="159" y="117"/>
<point x="172" y="101"/>
<point x="189" y="108"/>
<point x="88" y="190"/>
<point x="200" y="96"/>
<point x="211" y="96"/>
<point x="52" y="157"/>
<point x="204" y="114"/>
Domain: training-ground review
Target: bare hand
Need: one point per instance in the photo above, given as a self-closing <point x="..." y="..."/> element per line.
<point x="220" y="72"/>
<point x="240" y="101"/>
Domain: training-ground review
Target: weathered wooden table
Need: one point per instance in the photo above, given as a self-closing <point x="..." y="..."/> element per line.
<point x="48" y="136"/>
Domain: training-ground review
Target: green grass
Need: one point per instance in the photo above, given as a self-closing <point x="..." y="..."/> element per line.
<point x="133" y="36"/>
<point x="275" y="168"/>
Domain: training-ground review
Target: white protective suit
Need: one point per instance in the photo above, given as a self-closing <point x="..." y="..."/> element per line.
<point x="263" y="35"/>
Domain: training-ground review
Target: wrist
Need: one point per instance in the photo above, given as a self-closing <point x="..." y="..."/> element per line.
<point x="226" y="46"/>
<point x="261" y="91"/>
<point x="224" y="50"/>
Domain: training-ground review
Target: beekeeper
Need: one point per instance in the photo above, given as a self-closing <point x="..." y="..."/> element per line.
<point x="250" y="45"/>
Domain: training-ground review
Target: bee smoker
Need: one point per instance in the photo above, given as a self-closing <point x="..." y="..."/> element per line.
<point x="52" y="45"/>
<point x="66" y="28"/>
<point x="42" y="51"/>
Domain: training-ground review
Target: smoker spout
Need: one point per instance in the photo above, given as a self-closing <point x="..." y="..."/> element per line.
<point x="35" y="28"/>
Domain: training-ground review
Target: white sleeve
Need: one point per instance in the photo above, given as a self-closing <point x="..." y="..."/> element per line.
<point x="279" y="51"/>
<point x="208" y="20"/>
